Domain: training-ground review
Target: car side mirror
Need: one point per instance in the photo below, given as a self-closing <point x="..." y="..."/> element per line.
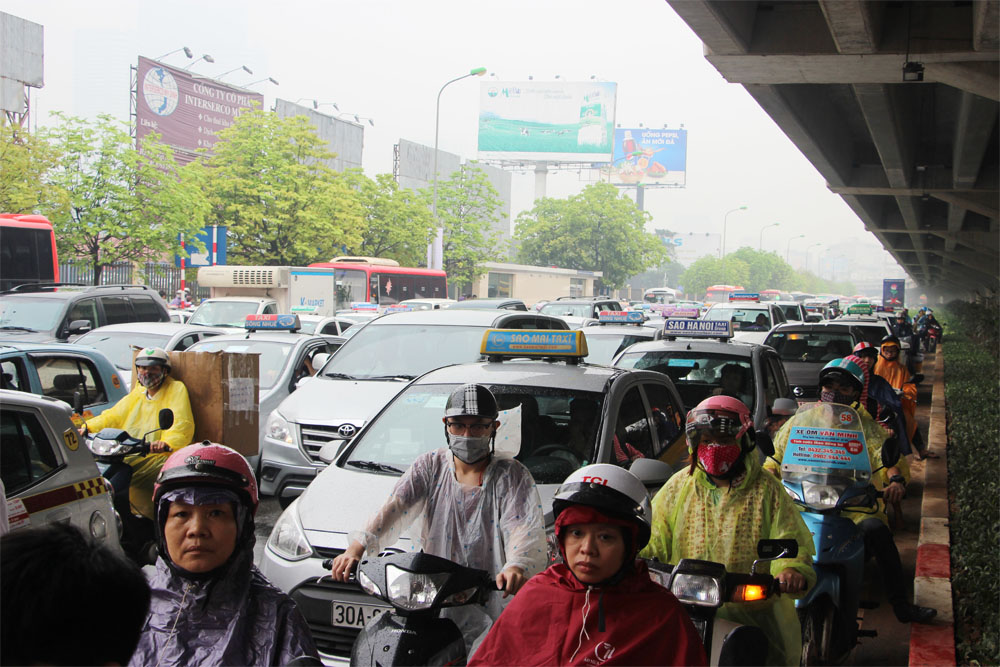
<point x="78" y="403"/>
<point x="652" y="472"/>
<point x="77" y="327"/>
<point x="319" y="360"/>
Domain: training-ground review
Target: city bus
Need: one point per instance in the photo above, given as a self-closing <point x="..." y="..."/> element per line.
<point x="720" y="293"/>
<point x="27" y="251"/>
<point x="663" y="295"/>
<point x="382" y="281"/>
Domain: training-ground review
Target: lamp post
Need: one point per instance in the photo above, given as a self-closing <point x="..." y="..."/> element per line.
<point x="725" y="221"/>
<point x="788" y="249"/>
<point x="807" y="256"/>
<point x="760" y="244"/>
<point x="241" y="67"/>
<point x="435" y="256"/>
<point x="207" y="58"/>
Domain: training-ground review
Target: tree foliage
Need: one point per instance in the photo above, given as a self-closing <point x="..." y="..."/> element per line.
<point x="123" y="204"/>
<point x="596" y="230"/>
<point x="281" y="205"/>
<point x="755" y="271"/>
<point x="25" y="162"/>
<point x="397" y="222"/>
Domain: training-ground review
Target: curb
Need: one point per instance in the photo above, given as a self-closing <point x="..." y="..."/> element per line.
<point x="934" y="643"/>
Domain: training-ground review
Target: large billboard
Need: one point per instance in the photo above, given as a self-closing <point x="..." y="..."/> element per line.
<point x="343" y="138"/>
<point x="648" y="157"/>
<point x="186" y="109"/>
<point x="555" y="121"/>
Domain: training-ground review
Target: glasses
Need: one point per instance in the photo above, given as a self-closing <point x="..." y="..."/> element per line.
<point x="458" y="428"/>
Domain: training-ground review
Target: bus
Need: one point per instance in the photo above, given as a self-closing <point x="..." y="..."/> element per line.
<point x="720" y="293"/>
<point x="663" y="295"/>
<point x="382" y="281"/>
<point x="27" y="251"/>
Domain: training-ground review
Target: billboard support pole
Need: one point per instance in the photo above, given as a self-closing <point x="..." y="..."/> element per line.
<point x="541" y="174"/>
<point x="640" y="197"/>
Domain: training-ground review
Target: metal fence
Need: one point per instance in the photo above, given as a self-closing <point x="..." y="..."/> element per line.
<point x="119" y="273"/>
<point x="161" y="276"/>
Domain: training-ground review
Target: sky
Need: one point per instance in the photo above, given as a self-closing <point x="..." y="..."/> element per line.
<point x="387" y="59"/>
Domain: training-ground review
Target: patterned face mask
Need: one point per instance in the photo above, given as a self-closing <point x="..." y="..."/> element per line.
<point x="717" y="460"/>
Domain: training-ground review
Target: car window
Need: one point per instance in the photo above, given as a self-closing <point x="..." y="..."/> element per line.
<point x="811" y="346"/>
<point x="117" y="310"/>
<point x="781" y="378"/>
<point x="117" y="345"/>
<point x="26" y="454"/>
<point x="632" y="439"/>
<point x="668" y="418"/>
<point x="872" y="334"/>
<point x="62" y="376"/>
<point x="186" y="342"/>
<point x="270" y="309"/>
<point x="698" y="375"/>
<point x="743" y="319"/>
<point x="778" y="315"/>
<point x="771" y="388"/>
<point x="603" y="349"/>
<point x="146" y="309"/>
<point x="84" y="309"/>
<point x="14" y="375"/>
<point x="330" y="328"/>
<point x="567" y="309"/>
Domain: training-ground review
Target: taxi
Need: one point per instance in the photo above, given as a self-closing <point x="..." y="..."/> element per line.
<point x="702" y="358"/>
<point x="751" y="318"/>
<point x="48" y="474"/>
<point x="558" y="413"/>
<point x="614" y="331"/>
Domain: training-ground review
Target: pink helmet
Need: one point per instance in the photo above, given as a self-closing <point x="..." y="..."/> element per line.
<point x="208" y="464"/>
<point x="723" y="415"/>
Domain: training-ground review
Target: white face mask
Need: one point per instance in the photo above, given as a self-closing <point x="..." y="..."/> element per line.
<point x="470" y="449"/>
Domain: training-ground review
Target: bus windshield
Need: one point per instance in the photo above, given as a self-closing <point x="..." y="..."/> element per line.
<point x="352" y="286"/>
<point x="27" y="252"/>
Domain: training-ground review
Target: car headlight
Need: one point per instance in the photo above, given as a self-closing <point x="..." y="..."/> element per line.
<point x="280" y="429"/>
<point x="102" y="447"/>
<point x="820" y="496"/>
<point x="98" y="526"/>
<point x="410" y="590"/>
<point x="697" y="589"/>
<point x="287" y="538"/>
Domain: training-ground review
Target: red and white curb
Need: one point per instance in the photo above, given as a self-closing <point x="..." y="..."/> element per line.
<point x="934" y="643"/>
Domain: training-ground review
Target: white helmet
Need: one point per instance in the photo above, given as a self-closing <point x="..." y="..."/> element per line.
<point x="613" y="491"/>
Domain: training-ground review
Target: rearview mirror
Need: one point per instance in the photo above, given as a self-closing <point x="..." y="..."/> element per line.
<point x="774" y="549"/>
<point x="166" y="418"/>
<point x="77" y="327"/>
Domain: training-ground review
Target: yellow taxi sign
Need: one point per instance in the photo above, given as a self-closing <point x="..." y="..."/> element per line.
<point x="533" y="343"/>
<point x="71" y="439"/>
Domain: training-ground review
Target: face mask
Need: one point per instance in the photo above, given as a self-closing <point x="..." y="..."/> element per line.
<point x="469" y="449"/>
<point x="830" y="396"/>
<point x="717" y="460"/>
<point x="151" y="380"/>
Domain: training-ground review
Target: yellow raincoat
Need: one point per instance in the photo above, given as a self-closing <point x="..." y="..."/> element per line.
<point x="693" y="518"/>
<point x="138" y="415"/>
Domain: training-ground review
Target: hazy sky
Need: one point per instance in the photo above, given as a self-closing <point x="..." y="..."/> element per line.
<point x="386" y="59"/>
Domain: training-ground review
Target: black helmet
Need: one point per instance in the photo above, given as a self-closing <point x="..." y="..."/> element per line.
<point x="891" y="339"/>
<point x="471" y="400"/>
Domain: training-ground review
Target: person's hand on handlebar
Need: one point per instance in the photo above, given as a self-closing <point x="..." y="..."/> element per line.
<point x="345" y="563"/>
<point x="159" y="447"/>
<point x="510" y="580"/>
<point x="791" y="581"/>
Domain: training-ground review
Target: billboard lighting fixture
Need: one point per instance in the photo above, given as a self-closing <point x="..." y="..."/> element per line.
<point x="241" y="67"/>
<point x="185" y="49"/>
<point x="271" y="79"/>
<point x="315" y="103"/>
<point x="322" y="104"/>
<point x="207" y="58"/>
<point x="531" y="78"/>
<point x="913" y="71"/>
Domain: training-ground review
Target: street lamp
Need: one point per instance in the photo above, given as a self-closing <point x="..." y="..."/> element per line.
<point x="760" y="244"/>
<point x="185" y="49"/>
<point x="725" y="221"/>
<point x="207" y="58"/>
<point x="789" y="248"/>
<point x="271" y="79"/>
<point x="241" y="67"/>
<point x="437" y="253"/>
<point x="807" y="257"/>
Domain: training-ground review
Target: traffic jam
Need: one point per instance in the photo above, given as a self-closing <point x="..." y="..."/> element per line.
<point x="435" y="481"/>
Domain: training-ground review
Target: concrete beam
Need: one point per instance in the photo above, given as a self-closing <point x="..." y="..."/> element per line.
<point x="986" y="25"/>
<point x="722" y="27"/>
<point x="979" y="78"/>
<point x="854" y="24"/>
<point x="984" y="202"/>
<point x="972" y="261"/>
<point x="886" y="131"/>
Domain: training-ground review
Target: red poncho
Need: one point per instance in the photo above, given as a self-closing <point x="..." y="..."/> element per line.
<point x="555" y="619"/>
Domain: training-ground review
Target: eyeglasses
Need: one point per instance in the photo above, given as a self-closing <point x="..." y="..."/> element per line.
<point x="458" y="428"/>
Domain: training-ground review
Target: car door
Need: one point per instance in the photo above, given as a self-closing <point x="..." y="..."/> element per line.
<point x="117" y="310"/>
<point x="30" y="464"/>
<point x="82" y="309"/>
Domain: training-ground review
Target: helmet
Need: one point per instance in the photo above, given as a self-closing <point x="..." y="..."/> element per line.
<point x="845" y="372"/>
<point x="152" y="356"/>
<point x="471" y="400"/>
<point x="612" y="491"/>
<point x="890" y="340"/>
<point x="208" y="464"/>
<point x="718" y="414"/>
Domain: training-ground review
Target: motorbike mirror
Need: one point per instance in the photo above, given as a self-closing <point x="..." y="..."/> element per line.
<point x="917" y="378"/>
<point x="166" y="419"/>
<point x="774" y="549"/>
<point x="890" y="452"/>
<point x="652" y="472"/>
<point x="78" y="403"/>
<point x="764" y="442"/>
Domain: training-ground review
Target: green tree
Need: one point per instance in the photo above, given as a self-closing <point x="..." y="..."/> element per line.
<point x="124" y="204"/>
<point x="398" y="223"/>
<point x="281" y="205"/>
<point x="25" y="162"/>
<point x="765" y="270"/>
<point x="597" y="230"/>
<point x="468" y="209"/>
<point x="708" y="270"/>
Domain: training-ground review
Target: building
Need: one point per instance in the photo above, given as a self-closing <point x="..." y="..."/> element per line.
<point x="534" y="283"/>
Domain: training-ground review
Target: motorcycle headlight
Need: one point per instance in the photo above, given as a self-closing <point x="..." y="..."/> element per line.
<point x="697" y="589"/>
<point x="102" y="447"/>
<point x="287" y="538"/>
<point x="820" y="496"/>
<point x="98" y="526"/>
<point x="367" y="585"/>
<point x="280" y="429"/>
<point x="410" y="590"/>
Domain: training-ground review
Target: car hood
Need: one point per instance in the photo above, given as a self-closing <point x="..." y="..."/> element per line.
<point x="332" y="402"/>
<point x="28" y="336"/>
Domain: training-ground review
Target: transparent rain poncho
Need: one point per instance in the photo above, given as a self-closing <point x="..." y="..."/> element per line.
<point x="693" y="518"/>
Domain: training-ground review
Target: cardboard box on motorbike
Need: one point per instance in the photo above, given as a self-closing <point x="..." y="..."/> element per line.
<point x="223" y="389"/>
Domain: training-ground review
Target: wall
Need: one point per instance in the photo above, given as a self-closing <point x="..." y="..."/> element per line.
<point x="536" y="283"/>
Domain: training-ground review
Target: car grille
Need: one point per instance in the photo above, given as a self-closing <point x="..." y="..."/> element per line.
<point x="315" y="601"/>
<point x="314" y="436"/>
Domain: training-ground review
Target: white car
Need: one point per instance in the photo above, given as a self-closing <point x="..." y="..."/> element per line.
<point x="748" y="325"/>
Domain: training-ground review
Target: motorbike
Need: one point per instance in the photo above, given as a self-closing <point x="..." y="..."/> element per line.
<point x="110" y="446"/>
<point x="932" y="335"/>
<point x="826" y="470"/>
<point x="702" y="587"/>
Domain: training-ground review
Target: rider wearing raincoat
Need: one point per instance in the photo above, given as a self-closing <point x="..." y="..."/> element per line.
<point x="138" y="413"/>
<point x="469" y="506"/>
<point x="722" y="507"/>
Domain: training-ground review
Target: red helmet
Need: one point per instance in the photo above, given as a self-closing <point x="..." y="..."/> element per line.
<point x="718" y="415"/>
<point x="208" y="464"/>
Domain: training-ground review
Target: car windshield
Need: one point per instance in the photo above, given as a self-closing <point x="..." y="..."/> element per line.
<point x="117" y="346"/>
<point x="811" y="346"/>
<point x="698" y="375"/>
<point x="550" y="439"/>
<point x="224" y="313"/>
<point x="273" y="355"/>
<point x="404" y="350"/>
<point x="743" y="319"/>
<point x="31" y="313"/>
<point x="568" y="309"/>
<point x="603" y="348"/>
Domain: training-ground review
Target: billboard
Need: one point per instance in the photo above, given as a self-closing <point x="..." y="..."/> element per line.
<point x="555" y="121"/>
<point x="186" y="109"/>
<point x="648" y="157"/>
<point x="344" y="138"/>
<point x="893" y="292"/>
<point x="689" y="247"/>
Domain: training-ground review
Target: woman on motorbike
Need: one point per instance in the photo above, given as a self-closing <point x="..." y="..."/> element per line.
<point x="602" y="520"/>
<point x="722" y="507"/>
<point x="210" y="605"/>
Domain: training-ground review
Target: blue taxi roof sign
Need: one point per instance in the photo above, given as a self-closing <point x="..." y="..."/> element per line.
<point x="363" y="305"/>
<point x="308" y="310"/>
<point x="500" y="343"/>
<point x="744" y="296"/>
<point x="698" y="328"/>
<point x="621" y="317"/>
<point x="398" y="308"/>
<point x="272" y="323"/>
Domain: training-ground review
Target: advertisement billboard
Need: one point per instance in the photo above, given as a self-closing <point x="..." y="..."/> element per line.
<point x="555" y="121"/>
<point x="893" y="292"/>
<point x="648" y="157"/>
<point x="186" y="109"/>
<point x="343" y="138"/>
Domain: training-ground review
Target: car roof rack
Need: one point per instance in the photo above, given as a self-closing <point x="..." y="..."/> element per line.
<point x="39" y="287"/>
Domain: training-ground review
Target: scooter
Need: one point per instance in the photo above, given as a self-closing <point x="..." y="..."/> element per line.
<point x="702" y="587"/>
<point x="110" y="446"/>
<point x="932" y="336"/>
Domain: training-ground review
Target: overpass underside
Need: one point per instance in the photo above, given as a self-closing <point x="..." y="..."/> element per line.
<point x="917" y="161"/>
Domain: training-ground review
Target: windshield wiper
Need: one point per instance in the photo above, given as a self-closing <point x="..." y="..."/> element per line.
<point x="342" y="376"/>
<point x="8" y="328"/>
<point x="392" y="377"/>
<point x="374" y="465"/>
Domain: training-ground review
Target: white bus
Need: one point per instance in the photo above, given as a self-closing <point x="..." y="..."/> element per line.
<point x="660" y="295"/>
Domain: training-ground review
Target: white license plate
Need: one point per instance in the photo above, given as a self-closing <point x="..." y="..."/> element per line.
<point x="347" y="615"/>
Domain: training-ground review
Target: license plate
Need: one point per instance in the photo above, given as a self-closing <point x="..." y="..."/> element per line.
<point x="347" y="615"/>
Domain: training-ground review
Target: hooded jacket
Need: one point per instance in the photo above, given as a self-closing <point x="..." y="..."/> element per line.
<point x="555" y="620"/>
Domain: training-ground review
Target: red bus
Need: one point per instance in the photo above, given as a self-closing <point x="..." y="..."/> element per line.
<point x="720" y="293"/>
<point x="27" y="251"/>
<point x="382" y="281"/>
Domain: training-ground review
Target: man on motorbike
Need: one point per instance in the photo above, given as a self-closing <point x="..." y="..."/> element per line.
<point x="138" y="413"/>
<point x="210" y="605"/>
<point x="602" y="520"/>
<point x="473" y="508"/>
<point x="842" y="382"/>
<point x="722" y="507"/>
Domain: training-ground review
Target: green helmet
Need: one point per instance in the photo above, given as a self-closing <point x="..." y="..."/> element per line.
<point x="845" y="372"/>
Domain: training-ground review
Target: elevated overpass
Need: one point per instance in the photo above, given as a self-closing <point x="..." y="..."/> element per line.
<point x="917" y="160"/>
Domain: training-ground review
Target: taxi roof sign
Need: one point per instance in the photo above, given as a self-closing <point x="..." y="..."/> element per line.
<point x="272" y="323"/>
<point x="689" y="313"/>
<point x="744" y="296"/>
<point x="621" y="317"/>
<point x="698" y="328"/>
<point x="304" y="309"/>
<point x="363" y="305"/>
<point x="859" y="309"/>
<point x="500" y="343"/>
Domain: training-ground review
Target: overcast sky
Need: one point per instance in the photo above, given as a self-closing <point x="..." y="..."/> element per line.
<point x="386" y="59"/>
